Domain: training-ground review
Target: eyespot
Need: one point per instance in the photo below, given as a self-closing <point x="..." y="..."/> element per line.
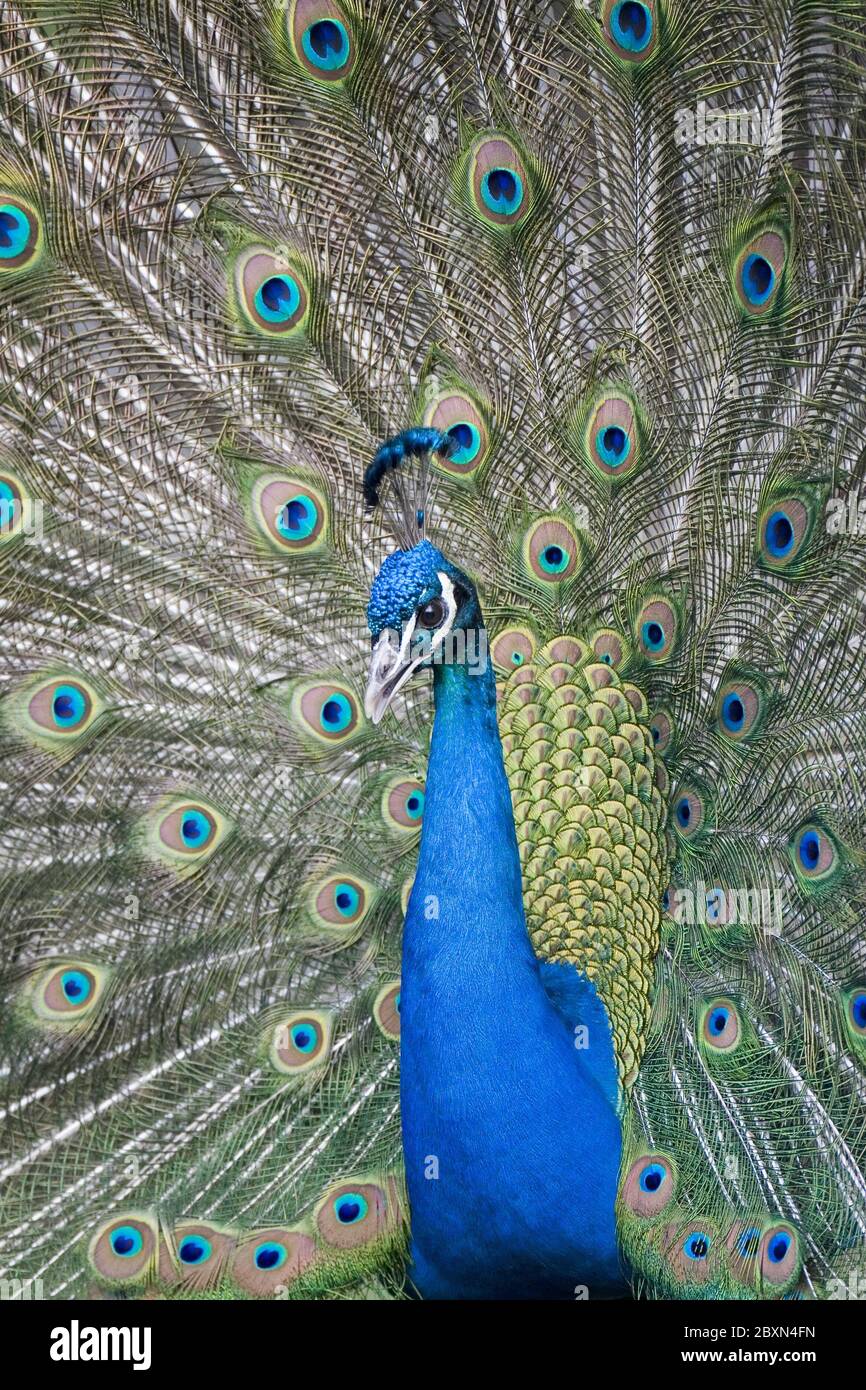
<point x="783" y="529"/>
<point x="656" y="629"/>
<point x="661" y="730"/>
<point x="779" y="1254"/>
<point x="184" y="833"/>
<point x="431" y="614"/>
<point x="611" y="438"/>
<point x="696" y="1245"/>
<point x="720" y="1026"/>
<point x="301" y="1041"/>
<point x="189" y="829"/>
<point x="342" y="900"/>
<point x="610" y="647"/>
<point x="758" y="272"/>
<point x="329" y="712"/>
<point x="689" y="812"/>
<point x="738" y="708"/>
<point x="272" y="294"/>
<point x="386" y="1010"/>
<point x="196" y="1255"/>
<point x="690" y="1251"/>
<point x="352" y="1214"/>
<point x="126" y="1241"/>
<point x="499" y="186"/>
<point x="321" y="39"/>
<point x="20" y="234"/>
<point x="513" y="648"/>
<point x="455" y="413"/>
<point x="650" y="1184"/>
<point x="552" y="550"/>
<point x="56" y="711"/>
<point x="629" y="28"/>
<point x="268" y="1259"/>
<point x="12" y="500"/>
<point x="67" y="993"/>
<point x="270" y="1255"/>
<point x="194" y="1249"/>
<point x="814" y="854"/>
<point x="748" y="1243"/>
<point x="716" y="907"/>
<point x="289" y="514"/>
<point x="123" y="1249"/>
<point x="856" y="1011"/>
<point x="403" y="804"/>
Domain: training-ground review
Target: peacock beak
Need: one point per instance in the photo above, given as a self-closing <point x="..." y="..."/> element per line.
<point x="391" y="666"/>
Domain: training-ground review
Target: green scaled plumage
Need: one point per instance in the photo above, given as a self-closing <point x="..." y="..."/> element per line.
<point x="234" y="257"/>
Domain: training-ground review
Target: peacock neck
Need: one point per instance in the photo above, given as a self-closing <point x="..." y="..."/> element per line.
<point x="469" y="846"/>
<point x="488" y="1064"/>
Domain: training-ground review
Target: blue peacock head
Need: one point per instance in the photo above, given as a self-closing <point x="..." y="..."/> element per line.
<point x="418" y="599"/>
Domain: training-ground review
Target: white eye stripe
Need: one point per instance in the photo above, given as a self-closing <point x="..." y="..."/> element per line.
<point x="450" y="610"/>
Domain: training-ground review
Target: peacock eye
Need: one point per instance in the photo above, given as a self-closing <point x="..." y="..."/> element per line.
<point x="432" y="614"/>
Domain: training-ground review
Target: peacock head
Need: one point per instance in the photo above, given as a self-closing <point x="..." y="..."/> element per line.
<point x="418" y="603"/>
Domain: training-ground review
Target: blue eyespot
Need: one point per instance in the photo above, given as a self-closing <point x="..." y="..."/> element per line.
<point x="15" y="231"/>
<point x="326" y="45"/>
<point x="858" y="1011"/>
<point x="126" y="1241"/>
<point x="613" y="445"/>
<point x="759" y="279"/>
<point x="194" y="1250"/>
<point x="697" y="1245"/>
<point x="69" y="706"/>
<point x="749" y="1243"/>
<point x="502" y="191"/>
<point x="76" y="987"/>
<point x="351" y="1208"/>
<point x="778" y="1247"/>
<point x="666" y="900"/>
<point x="653" y="635"/>
<point x="297" y="519"/>
<point x="809" y="849"/>
<point x="517" y="658"/>
<point x="652" y="1177"/>
<point x="336" y="713"/>
<point x="270" y="1255"/>
<point x="717" y="1021"/>
<point x="683" y="813"/>
<point x="305" y="1036"/>
<point x="346" y="899"/>
<point x="733" y="712"/>
<point x="195" y="829"/>
<point x="415" y="804"/>
<point x="779" y="535"/>
<point x="554" y="559"/>
<point x="10" y="502"/>
<point x="397" y="1001"/>
<point x="467" y="442"/>
<point x="278" y="298"/>
<point x="631" y="25"/>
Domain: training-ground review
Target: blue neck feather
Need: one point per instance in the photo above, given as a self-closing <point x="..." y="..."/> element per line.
<point x="511" y="1137"/>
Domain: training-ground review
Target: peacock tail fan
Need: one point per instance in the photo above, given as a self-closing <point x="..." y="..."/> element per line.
<point x="604" y="264"/>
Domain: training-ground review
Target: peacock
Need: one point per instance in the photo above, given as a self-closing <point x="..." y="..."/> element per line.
<point x="434" y="692"/>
